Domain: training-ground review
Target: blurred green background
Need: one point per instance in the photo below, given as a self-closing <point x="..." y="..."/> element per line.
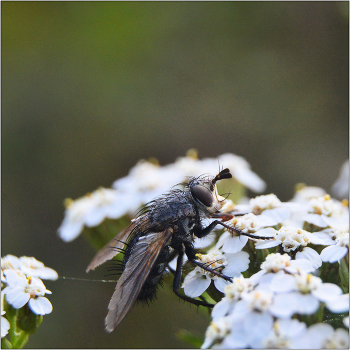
<point x="89" y="88"/>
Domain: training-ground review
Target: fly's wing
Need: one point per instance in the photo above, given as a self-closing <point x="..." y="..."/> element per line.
<point x="111" y="249"/>
<point x="137" y="269"/>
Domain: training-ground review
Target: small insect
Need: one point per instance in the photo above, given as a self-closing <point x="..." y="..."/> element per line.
<point x="172" y="220"/>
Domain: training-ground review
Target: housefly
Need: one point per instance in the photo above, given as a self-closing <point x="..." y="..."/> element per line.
<point x="172" y="220"/>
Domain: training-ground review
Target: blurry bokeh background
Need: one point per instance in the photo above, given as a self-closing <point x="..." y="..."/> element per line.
<point x="89" y="88"/>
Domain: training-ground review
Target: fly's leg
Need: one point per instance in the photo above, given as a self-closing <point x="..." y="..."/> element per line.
<point x="190" y="252"/>
<point x="177" y="283"/>
<point x="226" y="216"/>
<point x="205" y="231"/>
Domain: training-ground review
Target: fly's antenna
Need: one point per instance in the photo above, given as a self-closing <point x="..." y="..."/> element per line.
<point x="223" y="174"/>
<point x="226" y="195"/>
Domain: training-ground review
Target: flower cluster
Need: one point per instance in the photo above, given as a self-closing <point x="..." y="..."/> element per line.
<point x="260" y="311"/>
<point x="145" y="181"/>
<point x="21" y="285"/>
<point x="273" y="307"/>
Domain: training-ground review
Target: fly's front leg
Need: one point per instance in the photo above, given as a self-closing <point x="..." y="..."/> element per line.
<point x="177" y="283"/>
<point x="226" y="216"/>
<point x="202" y="232"/>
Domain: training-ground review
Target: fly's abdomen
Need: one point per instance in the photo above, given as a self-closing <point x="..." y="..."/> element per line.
<point x="155" y="277"/>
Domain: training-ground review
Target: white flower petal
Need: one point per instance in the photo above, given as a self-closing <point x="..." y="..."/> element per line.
<point x="327" y="292"/>
<point x="70" y="230"/>
<point x="339" y="304"/>
<point x="240" y="311"/>
<point x="221" y="308"/>
<point x="204" y="242"/>
<point x="333" y="253"/>
<point x="5" y="326"/>
<point x="300" y="265"/>
<point x="278" y="215"/>
<point x="197" y="286"/>
<point x="255" y="279"/>
<point x="249" y="179"/>
<point x="324" y="237"/>
<point x="234" y="244"/>
<point x="284" y="305"/>
<point x="261" y="324"/>
<point x="13" y="279"/>
<point x="307" y="304"/>
<point x="315" y="219"/>
<point x="311" y="255"/>
<point x="282" y="283"/>
<point x="220" y="283"/>
<point x="266" y="220"/>
<point x="240" y="260"/>
<point x="17" y="297"/>
<point x="237" y="338"/>
<point x="40" y="305"/>
<point x="290" y="328"/>
<point x="267" y="244"/>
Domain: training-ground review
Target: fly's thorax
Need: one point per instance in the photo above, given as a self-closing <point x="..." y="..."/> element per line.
<point x="170" y="208"/>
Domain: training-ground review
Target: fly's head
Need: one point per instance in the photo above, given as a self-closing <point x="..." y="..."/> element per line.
<point x="205" y="193"/>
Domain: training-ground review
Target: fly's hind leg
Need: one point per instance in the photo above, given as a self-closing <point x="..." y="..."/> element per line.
<point x="177" y="283"/>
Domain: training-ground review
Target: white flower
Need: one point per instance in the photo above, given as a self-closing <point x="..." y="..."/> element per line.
<point x="275" y="262"/>
<point x="304" y="193"/>
<point x="28" y="266"/>
<point x="198" y="280"/>
<point x="146" y="181"/>
<point x="301" y="293"/>
<point x="293" y="239"/>
<point x="248" y="223"/>
<point x="32" y="267"/>
<point x="22" y="290"/>
<point x="92" y="209"/>
<point x="325" y="211"/>
<point x="233" y="293"/>
<point x="216" y="332"/>
<point x="322" y="336"/>
<point x="284" y="333"/>
<point x="261" y="203"/>
<point x="337" y="251"/>
<point x="10" y="262"/>
<point x="253" y="317"/>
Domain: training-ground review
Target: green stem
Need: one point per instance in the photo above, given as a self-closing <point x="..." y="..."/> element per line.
<point x="5" y="344"/>
<point x="344" y="274"/>
<point x="11" y="316"/>
<point x="21" y="340"/>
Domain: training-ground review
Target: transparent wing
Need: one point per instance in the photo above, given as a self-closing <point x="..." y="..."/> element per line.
<point x="111" y="249"/>
<point x="137" y="269"/>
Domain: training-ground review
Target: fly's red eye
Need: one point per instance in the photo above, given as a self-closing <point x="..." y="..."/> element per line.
<point x="203" y="195"/>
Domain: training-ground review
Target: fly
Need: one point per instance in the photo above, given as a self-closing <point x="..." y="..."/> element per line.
<point x="172" y="220"/>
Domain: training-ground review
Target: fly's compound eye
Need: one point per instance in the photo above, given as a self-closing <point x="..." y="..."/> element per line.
<point x="203" y="195"/>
